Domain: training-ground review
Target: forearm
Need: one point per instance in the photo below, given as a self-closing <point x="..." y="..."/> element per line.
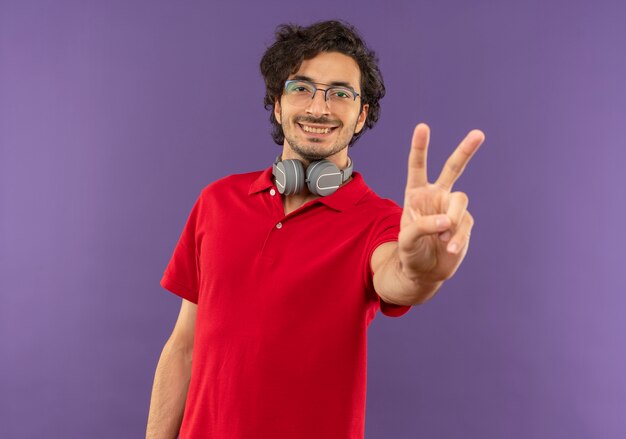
<point x="393" y="286"/>
<point x="169" y="392"/>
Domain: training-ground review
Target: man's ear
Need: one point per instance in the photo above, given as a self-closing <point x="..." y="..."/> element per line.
<point x="361" y="120"/>
<point x="277" y="110"/>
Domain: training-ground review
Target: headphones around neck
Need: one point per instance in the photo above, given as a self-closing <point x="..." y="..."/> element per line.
<point x="322" y="177"/>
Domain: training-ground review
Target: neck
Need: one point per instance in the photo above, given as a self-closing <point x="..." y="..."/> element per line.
<point x="296" y="201"/>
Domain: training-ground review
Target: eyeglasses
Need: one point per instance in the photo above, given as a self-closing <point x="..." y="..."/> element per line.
<point x="300" y="92"/>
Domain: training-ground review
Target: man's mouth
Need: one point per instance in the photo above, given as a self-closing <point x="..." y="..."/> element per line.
<point x="316" y="129"/>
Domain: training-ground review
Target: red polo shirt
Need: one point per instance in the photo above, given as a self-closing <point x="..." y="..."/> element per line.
<point x="284" y="303"/>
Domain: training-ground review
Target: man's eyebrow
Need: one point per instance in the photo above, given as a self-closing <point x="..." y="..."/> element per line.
<point x="334" y="83"/>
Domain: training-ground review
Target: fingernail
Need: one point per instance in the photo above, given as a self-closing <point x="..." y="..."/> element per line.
<point x="445" y="236"/>
<point x="412" y="214"/>
<point x="442" y="222"/>
<point x="453" y="248"/>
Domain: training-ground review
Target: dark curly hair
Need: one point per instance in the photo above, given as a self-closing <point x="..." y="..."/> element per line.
<point x="295" y="44"/>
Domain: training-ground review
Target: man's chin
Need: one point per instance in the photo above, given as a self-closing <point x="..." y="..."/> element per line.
<point x="313" y="154"/>
<point x="312" y="149"/>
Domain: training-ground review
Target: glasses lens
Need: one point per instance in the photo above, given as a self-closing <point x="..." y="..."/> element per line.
<point x="341" y="94"/>
<point x="301" y="93"/>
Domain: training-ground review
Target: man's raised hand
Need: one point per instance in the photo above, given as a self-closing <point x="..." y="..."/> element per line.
<point x="435" y="225"/>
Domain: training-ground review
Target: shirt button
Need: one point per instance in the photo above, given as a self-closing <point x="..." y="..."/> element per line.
<point x="279" y="225"/>
<point x="272" y="192"/>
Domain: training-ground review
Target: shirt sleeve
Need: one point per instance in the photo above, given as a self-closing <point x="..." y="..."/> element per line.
<point x="182" y="274"/>
<point x="386" y="231"/>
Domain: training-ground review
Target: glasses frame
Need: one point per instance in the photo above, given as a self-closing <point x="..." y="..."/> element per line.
<point x="316" y="89"/>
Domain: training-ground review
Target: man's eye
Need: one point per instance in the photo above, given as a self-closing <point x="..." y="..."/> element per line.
<point x="341" y="94"/>
<point x="299" y="89"/>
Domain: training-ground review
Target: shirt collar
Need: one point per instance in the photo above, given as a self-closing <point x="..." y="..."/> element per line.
<point x="343" y="198"/>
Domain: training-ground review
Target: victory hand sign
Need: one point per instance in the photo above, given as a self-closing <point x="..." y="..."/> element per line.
<point x="434" y="229"/>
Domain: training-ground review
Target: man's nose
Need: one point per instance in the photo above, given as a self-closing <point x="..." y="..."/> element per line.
<point x="318" y="104"/>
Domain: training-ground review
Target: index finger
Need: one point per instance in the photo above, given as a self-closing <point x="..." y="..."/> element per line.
<point x="456" y="163"/>
<point x="417" y="175"/>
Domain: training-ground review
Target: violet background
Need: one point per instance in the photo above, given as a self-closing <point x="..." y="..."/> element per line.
<point x="114" y="115"/>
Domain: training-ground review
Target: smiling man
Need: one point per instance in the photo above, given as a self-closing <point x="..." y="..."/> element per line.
<point x="281" y="271"/>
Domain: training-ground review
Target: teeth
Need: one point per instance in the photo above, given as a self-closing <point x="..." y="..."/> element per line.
<point x="309" y="129"/>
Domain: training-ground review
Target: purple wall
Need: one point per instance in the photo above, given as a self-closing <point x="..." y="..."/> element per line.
<point x="114" y="115"/>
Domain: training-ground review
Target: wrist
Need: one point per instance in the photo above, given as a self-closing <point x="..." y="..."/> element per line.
<point x="420" y="284"/>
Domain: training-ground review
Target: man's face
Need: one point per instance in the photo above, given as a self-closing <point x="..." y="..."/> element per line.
<point x="317" y="129"/>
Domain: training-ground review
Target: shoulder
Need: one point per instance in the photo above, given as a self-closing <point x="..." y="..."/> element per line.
<point x="374" y="213"/>
<point x="372" y="202"/>
<point x="231" y="184"/>
<point x="371" y="199"/>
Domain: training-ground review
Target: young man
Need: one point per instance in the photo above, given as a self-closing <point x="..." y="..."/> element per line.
<point x="281" y="271"/>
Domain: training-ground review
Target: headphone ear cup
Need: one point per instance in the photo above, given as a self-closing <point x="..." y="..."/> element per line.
<point x="289" y="176"/>
<point x="323" y="178"/>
